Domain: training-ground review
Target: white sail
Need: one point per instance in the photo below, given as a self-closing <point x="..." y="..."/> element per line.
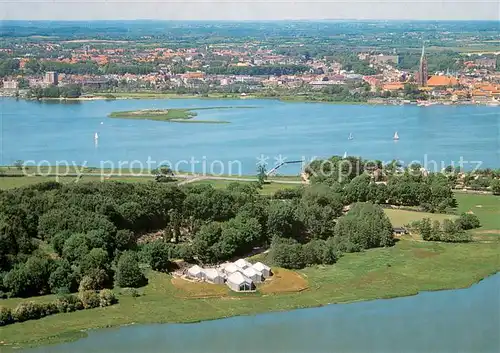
<point x="96" y="136"/>
<point x="396" y="136"/>
<point x="350" y="137"/>
<point x="345" y="154"/>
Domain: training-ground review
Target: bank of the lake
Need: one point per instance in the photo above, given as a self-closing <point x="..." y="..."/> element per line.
<point x="450" y="321"/>
<point x="406" y="269"/>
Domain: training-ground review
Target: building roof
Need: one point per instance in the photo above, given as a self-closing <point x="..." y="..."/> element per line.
<point x="195" y="270"/>
<point x="436" y="81"/>
<point x="259" y="266"/>
<point x="238" y="278"/>
<point x="212" y="273"/>
<point x="250" y="272"/>
<point x="231" y="268"/>
<point x="242" y="263"/>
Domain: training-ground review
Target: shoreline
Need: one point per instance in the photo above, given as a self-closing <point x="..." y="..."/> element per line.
<point x="73" y="336"/>
<point x="284" y="99"/>
<point x="359" y="277"/>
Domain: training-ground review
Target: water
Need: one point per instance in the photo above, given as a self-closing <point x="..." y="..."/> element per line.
<point x="55" y="131"/>
<point x="454" y="321"/>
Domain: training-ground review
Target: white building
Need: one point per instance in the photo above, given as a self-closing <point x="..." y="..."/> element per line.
<point x="253" y="274"/>
<point x="196" y="272"/>
<point x="214" y="276"/>
<point x="265" y="270"/>
<point x="231" y="268"/>
<point x="239" y="283"/>
<point x="242" y="263"/>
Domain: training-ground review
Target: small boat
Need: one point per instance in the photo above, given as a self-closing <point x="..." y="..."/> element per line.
<point x="396" y="136"/>
<point x="96" y="136"/>
<point x="350" y="137"/>
<point x="102" y="122"/>
<point x="345" y="155"/>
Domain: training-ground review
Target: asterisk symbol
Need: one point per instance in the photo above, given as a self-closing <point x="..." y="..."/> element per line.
<point x="279" y="160"/>
<point x="262" y="160"/>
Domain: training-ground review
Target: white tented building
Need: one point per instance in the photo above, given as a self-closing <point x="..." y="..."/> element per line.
<point x="265" y="270"/>
<point x="240" y="283"/>
<point x="195" y="272"/>
<point x="231" y="268"/>
<point x="242" y="263"/>
<point x="253" y="274"/>
<point x="214" y="276"/>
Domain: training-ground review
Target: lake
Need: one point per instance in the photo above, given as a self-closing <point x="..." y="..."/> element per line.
<point x="53" y="131"/>
<point x="465" y="320"/>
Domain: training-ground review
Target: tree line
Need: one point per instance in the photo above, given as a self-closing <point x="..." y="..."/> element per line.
<point x="61" y="238"/>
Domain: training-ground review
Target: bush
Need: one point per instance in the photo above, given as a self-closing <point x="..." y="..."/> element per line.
<point x="5" y="316"/>
<point x="107" y="298"/>
<point x="90" y="299"/>
<point x="68" y="303"/>
<point x="48" y="309"/>
<point x="96" y="280"/>
<point x="27" y="311"/>
<point x="468" y="221"/>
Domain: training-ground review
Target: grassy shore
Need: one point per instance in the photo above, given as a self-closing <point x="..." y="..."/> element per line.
<point x="405" y="269"/>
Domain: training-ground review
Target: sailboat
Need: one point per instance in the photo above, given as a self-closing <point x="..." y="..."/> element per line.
<point x="345" y="155"/>
<point x="350" y="136"/>
<point x="396" y="136"/>
<point x="96" y="136"/>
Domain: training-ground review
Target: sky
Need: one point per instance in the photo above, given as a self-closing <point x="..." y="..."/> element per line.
<point x="249" y="9"/>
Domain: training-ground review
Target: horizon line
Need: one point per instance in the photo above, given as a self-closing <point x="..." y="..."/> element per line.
<point x="252" y="20"/>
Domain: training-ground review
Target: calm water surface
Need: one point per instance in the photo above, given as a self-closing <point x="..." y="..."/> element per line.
<point x="56" y="131"/>
<point x="454" y="321"/>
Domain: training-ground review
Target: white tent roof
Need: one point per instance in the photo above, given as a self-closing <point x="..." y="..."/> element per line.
<point x="212" y="273"/>
<point x="242" y="263"/>
<point x="195" y="269"/>
<point x="231" y="268"/>
<point x="259" y="266"/>
<point x="238" y="278"/>
<point x="250" y="272"/>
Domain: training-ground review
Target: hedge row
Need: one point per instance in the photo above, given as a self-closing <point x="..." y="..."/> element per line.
<point x="64" y="304"/>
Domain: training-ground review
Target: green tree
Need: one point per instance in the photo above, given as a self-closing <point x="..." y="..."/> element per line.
<point x="425" y="229"/>
<point x="128" y="273"/>
<point x="62" y="279"/>
<point x="495" y="186"/>
<point x="261" y="175"/>
<point x="287" y="253"/>
<point x="159" y="256"/>
<point x="76" y="247"/>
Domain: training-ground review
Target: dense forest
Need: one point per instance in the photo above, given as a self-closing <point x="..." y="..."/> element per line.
<point x="63" y="237"/>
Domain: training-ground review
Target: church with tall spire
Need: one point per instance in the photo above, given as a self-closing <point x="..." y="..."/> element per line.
<point x="423" y="73"/>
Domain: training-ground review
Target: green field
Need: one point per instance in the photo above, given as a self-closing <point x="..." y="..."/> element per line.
<point x="267" y="189"/>
<point x="16" y="182"/>
<point x="400" y="218"/>
<point x="405" y="269"/>
<point x="486" y="207"/>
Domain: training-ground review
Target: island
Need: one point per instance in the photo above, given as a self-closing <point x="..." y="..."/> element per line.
<point x="175" y="115"/>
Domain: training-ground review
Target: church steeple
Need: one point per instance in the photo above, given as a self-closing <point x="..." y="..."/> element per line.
<point x="422" y="74"/>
